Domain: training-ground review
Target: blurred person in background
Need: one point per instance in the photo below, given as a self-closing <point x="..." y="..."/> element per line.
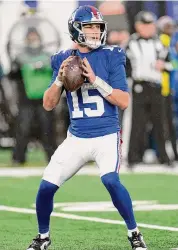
<point x="31" y="70"/>
<point x="166" y="26"/>
<point x="7" y="112"/>
<point x="134" y="7"/>
<point x="145" y="62"/>
<point x="174" y="76"/>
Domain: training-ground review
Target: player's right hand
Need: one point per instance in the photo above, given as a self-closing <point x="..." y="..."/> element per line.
<point x="88" y="71"/>
<point x="61" y="71"/>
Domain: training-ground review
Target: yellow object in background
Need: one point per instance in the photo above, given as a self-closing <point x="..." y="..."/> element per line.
<point x="165" y="91"/>
<point x="165" y="39"/>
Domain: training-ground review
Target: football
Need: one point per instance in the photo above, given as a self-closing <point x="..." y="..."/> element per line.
<point x="73" y="78"/>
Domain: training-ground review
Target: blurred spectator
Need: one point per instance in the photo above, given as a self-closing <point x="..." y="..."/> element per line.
<point x="32" y="72"/>
<point x="134" y="7"/>
<point x="166" y="27"/>
<point x="145" y="62"/>
<point x="7" y="111"/>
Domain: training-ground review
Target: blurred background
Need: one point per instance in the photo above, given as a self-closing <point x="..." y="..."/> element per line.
<point x="31" y="31"/>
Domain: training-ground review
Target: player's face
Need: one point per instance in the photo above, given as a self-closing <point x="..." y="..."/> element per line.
<point x="146" y="30"/>
<point x="92" y="31"/>
<point x="33" y="40"/>
<point x="169" y="29"/>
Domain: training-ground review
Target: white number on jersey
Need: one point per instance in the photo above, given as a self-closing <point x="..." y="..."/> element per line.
<point x="98" y="100"/>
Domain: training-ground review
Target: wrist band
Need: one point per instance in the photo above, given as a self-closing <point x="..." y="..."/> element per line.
<point x="103" y="87"/>
<point x="58" y="82"/>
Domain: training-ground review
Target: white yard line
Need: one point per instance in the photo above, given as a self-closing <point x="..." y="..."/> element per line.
<point x="85" y="218"/>
<point x="91" y="170"/>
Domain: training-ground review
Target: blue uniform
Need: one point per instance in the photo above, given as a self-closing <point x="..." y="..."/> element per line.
<point x="93" y="133"/>
<point x="91" y="114"/>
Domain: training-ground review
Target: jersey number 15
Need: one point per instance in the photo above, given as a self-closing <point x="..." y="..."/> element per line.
<point x="86" y="98"/>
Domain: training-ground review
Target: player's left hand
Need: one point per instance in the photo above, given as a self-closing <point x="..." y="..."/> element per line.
<point x="88" y="72"/>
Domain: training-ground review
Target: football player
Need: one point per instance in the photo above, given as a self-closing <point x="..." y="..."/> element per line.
<point x="94" y="131"/>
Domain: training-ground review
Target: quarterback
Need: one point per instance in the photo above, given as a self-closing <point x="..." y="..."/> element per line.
<point x="94" y="131"/>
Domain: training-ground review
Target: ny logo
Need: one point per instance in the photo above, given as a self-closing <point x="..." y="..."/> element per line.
<point x="96" y="15"/>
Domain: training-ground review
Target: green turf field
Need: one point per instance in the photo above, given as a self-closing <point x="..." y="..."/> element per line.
<point x="18" y="229"/>
<point x="35" y="157"/>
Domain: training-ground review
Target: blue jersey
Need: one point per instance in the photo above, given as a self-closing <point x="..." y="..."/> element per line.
<point x="91" y="115"/>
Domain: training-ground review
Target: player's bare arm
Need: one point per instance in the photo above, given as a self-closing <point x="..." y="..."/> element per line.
<point x="119" y="98"/>
<point x="52" y="95"/>
<point x="115" y="96"/>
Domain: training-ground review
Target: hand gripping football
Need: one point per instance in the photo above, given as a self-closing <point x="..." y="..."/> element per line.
<point x="72" y="77"/>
